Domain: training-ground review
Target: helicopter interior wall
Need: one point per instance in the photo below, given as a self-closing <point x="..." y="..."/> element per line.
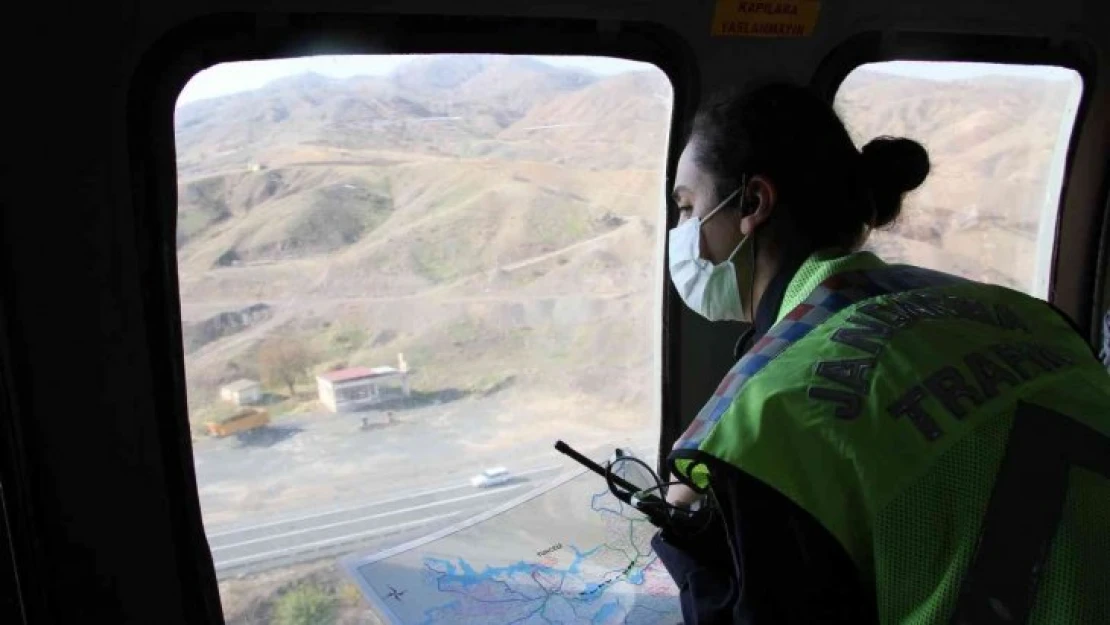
<point x="97" y="475"/>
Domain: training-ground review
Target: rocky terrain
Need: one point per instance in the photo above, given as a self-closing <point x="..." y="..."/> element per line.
<point x="497" y="217"/>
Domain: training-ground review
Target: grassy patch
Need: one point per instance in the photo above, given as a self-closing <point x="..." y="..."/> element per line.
<point x="304" y="399"/>
<point x="307" y="605"/>
<point x="448" y="252"/>
<point x="338" y="216"/>
<point x="200" y="204"/>
<point x="432" y="263"/>
<point x="189" y="224"/>
<point x="319" y="595"/>
<point x="335" y="345"/>
<point x="456" y="245"/>
<point x="560" y="228"/>
<point x="471" y="356"/>
<point x="466" y="331"/>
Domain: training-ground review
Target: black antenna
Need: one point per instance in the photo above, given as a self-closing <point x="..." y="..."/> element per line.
<point x="656" y="517"/>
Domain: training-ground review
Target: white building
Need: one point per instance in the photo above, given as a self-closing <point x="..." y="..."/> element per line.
<point x="242" y="392"/>
<point x="360" y="387"/>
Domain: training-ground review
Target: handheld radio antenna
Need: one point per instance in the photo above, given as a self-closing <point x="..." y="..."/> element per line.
<point x="655" y="516"/>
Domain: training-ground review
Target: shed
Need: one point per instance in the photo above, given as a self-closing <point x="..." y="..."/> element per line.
<point x="356" y="388"/>
<point x="242" y="392"/>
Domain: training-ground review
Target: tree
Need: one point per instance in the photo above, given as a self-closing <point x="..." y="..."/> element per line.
<point x="306" y="605"/>
<point x="283" y="360"/>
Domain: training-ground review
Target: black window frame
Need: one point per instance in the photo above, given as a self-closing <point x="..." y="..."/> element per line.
<point x="184" y="51"/>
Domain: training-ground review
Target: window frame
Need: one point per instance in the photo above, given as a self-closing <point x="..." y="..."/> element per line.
<point x="17" y="531"/>
<point x="1075" y="275"/>
<point x="181" y="53"/>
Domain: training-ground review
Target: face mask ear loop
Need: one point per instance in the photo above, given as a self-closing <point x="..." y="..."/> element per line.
<point x="743" y="191"/>
<point x="751" y="284"/>
<point x="722" y="204"/>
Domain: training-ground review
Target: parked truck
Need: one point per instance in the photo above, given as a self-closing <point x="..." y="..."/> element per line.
<point x="242" y="421"/>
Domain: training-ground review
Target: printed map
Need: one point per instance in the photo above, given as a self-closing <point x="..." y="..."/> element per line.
<point x="570" y="554"/>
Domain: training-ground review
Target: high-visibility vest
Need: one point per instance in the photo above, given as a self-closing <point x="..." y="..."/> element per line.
<point x="882" y="403"/>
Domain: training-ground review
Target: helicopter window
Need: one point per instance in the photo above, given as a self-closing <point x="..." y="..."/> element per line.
<point x="396" y="273"/>
<point x="998" y="138"/>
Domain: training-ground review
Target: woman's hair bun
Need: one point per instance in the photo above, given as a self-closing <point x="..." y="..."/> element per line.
<point x="893" y="166"/>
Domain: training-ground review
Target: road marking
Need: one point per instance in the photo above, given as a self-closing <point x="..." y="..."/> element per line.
<point x="317" y="515"/>
<point x="555" y="126"/>
<point x="317" y="528"/>
<point x="332" y="541"/>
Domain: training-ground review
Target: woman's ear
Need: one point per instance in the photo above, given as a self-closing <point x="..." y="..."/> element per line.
<point x="760" y="198"/>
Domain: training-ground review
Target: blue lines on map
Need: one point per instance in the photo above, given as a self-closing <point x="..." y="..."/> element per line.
<point x="539" y="592"/>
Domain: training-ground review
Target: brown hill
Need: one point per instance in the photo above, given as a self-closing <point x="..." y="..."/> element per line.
<point x="499" y="219"/>
<point x="992" y="141"/>
<point x="504" y="87"/>
<point x="614" y="123"/>
<point x="366" y="204"/>
<point x="438" y="105"/>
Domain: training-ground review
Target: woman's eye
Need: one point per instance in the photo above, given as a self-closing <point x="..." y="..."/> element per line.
<point x="684" y="210"/>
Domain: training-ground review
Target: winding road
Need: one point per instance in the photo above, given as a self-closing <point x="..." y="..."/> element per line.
<point x="256" y="547"/>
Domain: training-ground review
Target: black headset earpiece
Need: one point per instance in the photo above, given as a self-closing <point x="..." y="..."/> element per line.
<point x="745" y="205"/>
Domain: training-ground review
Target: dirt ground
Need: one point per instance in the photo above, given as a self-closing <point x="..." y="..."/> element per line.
<point x="252" y="599"/>
<point x="325" y="462"/>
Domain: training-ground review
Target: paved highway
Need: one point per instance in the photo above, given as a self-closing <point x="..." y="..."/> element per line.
<point x="256" y="547"/>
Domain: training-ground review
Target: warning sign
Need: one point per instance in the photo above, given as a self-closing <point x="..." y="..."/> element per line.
<point x="795" y="18"/>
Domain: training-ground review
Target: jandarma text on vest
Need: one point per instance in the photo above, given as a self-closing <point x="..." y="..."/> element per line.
<point x="872" y="326"/>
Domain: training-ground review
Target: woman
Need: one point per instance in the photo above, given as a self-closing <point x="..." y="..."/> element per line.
<point x="845" y="464"/>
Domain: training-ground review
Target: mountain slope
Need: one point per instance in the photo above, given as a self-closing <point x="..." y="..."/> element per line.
<point x="489" y="215"/>
<point x="439" y="105"/>
<point x="992" y="141"/>
<point x="415" y="207"/>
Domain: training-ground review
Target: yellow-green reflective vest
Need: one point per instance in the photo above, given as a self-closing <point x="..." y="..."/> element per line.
<point x="882" y="403"/>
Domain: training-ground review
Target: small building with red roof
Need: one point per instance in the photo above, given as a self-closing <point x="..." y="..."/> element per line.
<point x="357" y="388"/>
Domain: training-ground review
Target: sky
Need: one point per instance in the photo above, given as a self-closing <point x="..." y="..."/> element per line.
<point x="961" y="71"/>
<point x="228" y="78"/>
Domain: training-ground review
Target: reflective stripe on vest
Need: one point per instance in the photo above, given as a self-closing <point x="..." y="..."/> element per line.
<point x="852" y="396"/>
<point x="829" y="298"/>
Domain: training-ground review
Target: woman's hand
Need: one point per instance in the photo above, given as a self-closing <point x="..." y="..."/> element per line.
<point x="682" y="495"/>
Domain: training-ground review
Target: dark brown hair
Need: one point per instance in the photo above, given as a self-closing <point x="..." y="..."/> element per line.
<point x="787" y="133"/>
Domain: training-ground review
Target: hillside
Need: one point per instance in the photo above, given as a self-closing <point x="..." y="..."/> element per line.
<point x="991" y="141"/>
<point x="498" y="219"/>
<point x="438" y="106"/>
<point x="422" y="213"/>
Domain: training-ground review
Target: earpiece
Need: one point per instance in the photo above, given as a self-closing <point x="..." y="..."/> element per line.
<point x="745" y="209"/>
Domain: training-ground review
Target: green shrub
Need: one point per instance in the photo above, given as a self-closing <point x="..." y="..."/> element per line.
<point x="306" y="605"/>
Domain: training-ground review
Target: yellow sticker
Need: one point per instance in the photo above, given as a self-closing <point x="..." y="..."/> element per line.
<point x="792" y="18"/>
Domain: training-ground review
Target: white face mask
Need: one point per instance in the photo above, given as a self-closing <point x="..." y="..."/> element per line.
<point x="707" y="289"/>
